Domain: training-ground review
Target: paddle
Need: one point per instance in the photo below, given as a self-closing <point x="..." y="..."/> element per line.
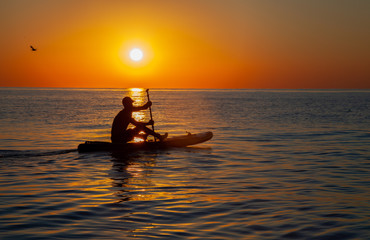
<point x="150" y="110"/>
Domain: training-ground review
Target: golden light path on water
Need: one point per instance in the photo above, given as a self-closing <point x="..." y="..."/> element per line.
<point x="145" y="185"/>
<point x="139" y="97"/>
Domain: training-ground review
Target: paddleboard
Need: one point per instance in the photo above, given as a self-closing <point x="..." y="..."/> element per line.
<point x="176" y="141"/>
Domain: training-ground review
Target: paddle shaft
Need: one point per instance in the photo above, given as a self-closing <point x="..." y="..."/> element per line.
<point x="150" y="109"/>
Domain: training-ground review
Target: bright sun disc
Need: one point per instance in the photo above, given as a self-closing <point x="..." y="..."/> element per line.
<point x="136" y="54"/>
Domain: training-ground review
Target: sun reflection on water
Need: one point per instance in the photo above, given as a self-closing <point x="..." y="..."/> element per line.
<point x="132" y="178"/>
<point x="139" y="96"/>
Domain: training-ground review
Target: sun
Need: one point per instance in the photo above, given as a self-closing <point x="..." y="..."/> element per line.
<point x="136" y="54"/>
<point x="137" y="58"/>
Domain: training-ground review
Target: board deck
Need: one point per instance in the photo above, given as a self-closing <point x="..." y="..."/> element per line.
<point x="177" y="141"/>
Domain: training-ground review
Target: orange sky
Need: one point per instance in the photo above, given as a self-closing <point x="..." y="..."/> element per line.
<point x="186" y="44"/>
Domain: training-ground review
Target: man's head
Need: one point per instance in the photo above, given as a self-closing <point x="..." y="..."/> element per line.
<point x="127" y="102"/>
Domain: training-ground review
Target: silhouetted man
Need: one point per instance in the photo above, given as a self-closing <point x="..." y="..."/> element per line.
<point x="120" y="133"/>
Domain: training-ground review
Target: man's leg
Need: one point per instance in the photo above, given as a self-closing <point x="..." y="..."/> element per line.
<point x="135" y="132"/>
<point x="157" y="135"/>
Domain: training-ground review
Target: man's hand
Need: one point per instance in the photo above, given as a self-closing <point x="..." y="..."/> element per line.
<point x="148" y="104"/>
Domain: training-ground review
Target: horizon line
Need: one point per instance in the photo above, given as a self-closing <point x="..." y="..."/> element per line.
<point x="177" y="88"/>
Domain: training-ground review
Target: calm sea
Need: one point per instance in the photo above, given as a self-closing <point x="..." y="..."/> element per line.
<point x="282" y="165"/>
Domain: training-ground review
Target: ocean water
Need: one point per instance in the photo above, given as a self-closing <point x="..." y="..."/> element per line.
<point x="283" y="164"/>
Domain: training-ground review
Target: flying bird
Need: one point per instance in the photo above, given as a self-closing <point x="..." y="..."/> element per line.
<point x="33" y="49"/>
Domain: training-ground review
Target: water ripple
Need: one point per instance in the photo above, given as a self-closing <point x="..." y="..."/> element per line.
<point x="277" y="168"/>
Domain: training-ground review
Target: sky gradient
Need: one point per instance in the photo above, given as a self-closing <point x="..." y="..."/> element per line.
<point x="284" y="44"/>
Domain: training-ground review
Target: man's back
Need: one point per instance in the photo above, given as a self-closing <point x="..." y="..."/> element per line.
<point x="120" y="124"/>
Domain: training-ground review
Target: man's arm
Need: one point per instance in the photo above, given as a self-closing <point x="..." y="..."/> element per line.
<point x="145" y="106"/>
<point x="141" y="124"/>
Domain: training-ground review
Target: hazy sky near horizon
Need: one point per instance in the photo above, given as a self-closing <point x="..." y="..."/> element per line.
<point x="186" y="44"/>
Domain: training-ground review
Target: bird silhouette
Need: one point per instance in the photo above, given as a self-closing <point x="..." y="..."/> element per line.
<point x="32" y="48"/>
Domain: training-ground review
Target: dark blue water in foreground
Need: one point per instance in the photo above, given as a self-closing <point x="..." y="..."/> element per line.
<point x="281" y="165"/>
